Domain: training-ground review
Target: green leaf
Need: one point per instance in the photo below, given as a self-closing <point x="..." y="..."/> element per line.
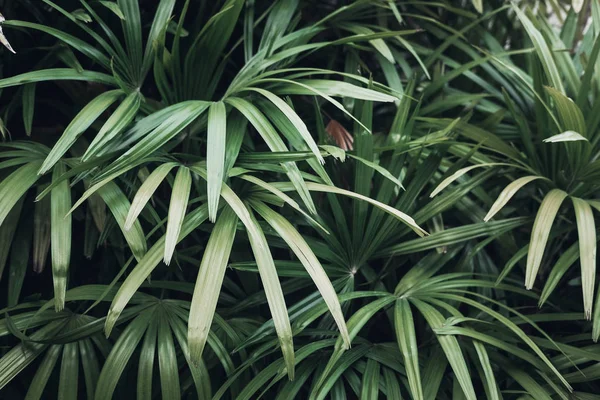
<point x="215" y="155"/>
<point x="91" y="367"/>
<point x="541" y="231"/>
<point x="310" y="262"/>
<point x="57" y="74"/>
<point x="209" y="282"/>
<point x="270" y="136"/>
<point x="28" y="106"/>
<point x="484" y="359"/>
<point x="147" y="264"/>
<point x="167" y="360"/>
<point x="295" y="120"/>
<point x="567" y="136"/>
<point x="407" y="342"/>
<point x="60" y="235"/>
<point x="145" y="192"/>
<point x="42" y="375"/>
<point x="509" y="191"/>
<point x="132" y="30"/>
<point x="370" y="381"/>
<point x="451" y="348"/>
<point x="570" y="115"/>
<point x="19" y="357"/>
<point x="155" y="130"/>
<point x="565" y="261"/>
<point x="586" y="230"/>
<point x="287" y="199"/>
<point x="14" y="186"/>
<point x="146" y="362"/>
<point x="114" y="7"/>
<point x="20" y="254"/>
<point x="355" y="324"/>
<point x="118" y="205"/>
<point x="177" y="208"/>
<point x="542" y="50"/>
<point x="392" y="384"/>
<point x="446" y="182"/>
<point x="120" y="354"/>
<point x="117" y="122"/>
<point x="318" y="187"/>
<point x="82" y="121"/>
<point x="268" y="276"/>
<point x="69" y="371"/>
<point x="384" y="172"/>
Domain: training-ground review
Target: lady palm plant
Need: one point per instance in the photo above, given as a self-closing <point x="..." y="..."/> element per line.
<point x="193" y="138"/>
<point x="557" y="153"/>
<point x="185" y="108"/>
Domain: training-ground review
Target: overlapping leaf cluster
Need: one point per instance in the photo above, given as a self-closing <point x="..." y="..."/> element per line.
<point x="297" y="199"/>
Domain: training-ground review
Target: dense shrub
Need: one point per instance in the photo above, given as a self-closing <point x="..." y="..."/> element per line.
<point x="202" y="199"/>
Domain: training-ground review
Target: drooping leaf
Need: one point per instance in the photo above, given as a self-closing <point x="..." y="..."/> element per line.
<point x="540" y="233"/>
<point x="215" y="155"/>
<point x="586" y="230"/>
<point x="145" y="192"/>
<point x="60" y="235"/>
<point x="177" y="209"/>
<point x="209" y="281"/>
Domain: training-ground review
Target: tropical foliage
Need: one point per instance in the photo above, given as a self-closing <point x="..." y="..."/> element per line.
<point x="299" y="199"/>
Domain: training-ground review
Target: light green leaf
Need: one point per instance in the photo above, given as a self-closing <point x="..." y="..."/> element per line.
<point x="114" y="7"/>
<point x="15" y="185"/>
<point x="310" y="262"/>
<point x="570" y="115"/>
<point x="177" y="208"/>
<point x="487" y="370"/>
<point x="295" y="120"/>
<point x="82" y="121"/>
<point x="384" y="172"/>
<point x="567" y="136"/>
<point x="318" y="187"/>
<point x="509" y="191"/>
<point x="117" y="122"/>
<point x="215" y="155"/>
<point x="541" y="231"/>
<point x="287" y="199"/>
<point x="60" y="235"/>
<point x="145" y="192"/>
<point x="268" y="274"/>
<point x="146" y="265"/>
<point x="270" y="136"/>
<point x="335" y="151"/>
<point x="542" y="50"/>
<point x="457" y="175"/>
<point x="209" y="282"/>
<point x="586" y="229"/>
<point x="4" y="40"/>
<point x="57" y="74"/>
<point x="118" y="204"/>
